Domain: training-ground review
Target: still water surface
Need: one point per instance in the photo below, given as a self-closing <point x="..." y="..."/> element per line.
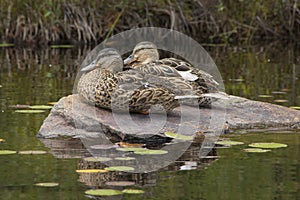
<point x="30" y="77"/>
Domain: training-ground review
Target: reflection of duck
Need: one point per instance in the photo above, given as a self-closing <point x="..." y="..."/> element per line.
<point x="145" y="57"/>
<point x="105" y="85"/>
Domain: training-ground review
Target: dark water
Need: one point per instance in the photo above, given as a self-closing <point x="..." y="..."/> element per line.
<point x="38" y="77"/>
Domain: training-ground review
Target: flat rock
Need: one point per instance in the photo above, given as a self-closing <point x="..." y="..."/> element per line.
<point x="75" y="118"/>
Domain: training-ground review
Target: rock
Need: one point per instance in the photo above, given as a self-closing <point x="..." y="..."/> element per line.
<point x="72" y="117"/>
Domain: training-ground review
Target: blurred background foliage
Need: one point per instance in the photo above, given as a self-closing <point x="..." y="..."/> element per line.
<point x="26" y="22"/>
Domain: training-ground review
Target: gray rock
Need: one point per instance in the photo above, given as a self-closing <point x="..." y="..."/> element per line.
<point x="74" y="118"/>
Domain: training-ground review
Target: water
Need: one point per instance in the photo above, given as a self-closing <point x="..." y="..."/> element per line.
<point x="31" y="77"/>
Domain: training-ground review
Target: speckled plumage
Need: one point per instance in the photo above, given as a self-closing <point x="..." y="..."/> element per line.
<point x="145" y="58"/>
<point x="122" y="90"/>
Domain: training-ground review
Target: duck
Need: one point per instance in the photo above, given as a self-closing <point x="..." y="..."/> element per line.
<point x="105" y="84"/>
<point x="145" y="58"/>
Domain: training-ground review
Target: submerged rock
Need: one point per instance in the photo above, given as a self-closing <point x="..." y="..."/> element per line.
<point x="74" y="118"/>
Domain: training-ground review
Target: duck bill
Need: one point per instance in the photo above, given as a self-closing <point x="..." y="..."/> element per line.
<point x="89" y="67"/>
<point x="129" y="60"/>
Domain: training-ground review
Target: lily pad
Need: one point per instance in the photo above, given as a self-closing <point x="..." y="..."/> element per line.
<point x="91" y="171"/>
<point x="47" y="184"/>
<point x="265" y="96"/>
<point x="268" y="145"/>
<point x="2" y="140"/>
<point x="6" y="45"/>
<point x="52" y="103"/>
<point x="150" y="152"/>
<point x="280" y="101"/>
<point x="119" y="168"/>
<point x="97" y="159"/>
<point x="295" y="107"/>
<point x="103" y="192"/>
<point x="229" y="142"/>
<point x="178" y="136"/>
<point x="40" y="107"/>
<point x="133" y="191"/>
<point x="63" y="46"/>
<point x="130" y="149"/>
<point x="7" y="152"/>
<point x="120" y="183"/>
<point x="30" y="111"/>
<point x="33" y="152"/>
<point x="124" y="158"/>
<point x="256" y="150"/>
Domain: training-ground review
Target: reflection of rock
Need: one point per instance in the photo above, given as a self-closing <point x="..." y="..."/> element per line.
<point x="71" y="117"/>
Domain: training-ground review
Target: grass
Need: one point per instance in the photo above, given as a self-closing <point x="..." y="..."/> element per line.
<point x="55" y="22"/>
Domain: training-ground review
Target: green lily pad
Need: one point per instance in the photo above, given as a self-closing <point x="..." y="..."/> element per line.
<point x="133" y="191"/>
<point x="268" y="145"/>
<point x="91" y="171"/>
<point x="150" y="152"/>
<point x="103" y="192"/>
<point x="97" y="159"/>
<point x="7" y="152"/>
<point x="52" y="103"/>
<point x="256" y="150"/>
<point x="178" y="136"/>
<point x="119" y="168"/>
<point x="33" y="152"/>
<point x="124" y="158"/>
<point x="30" y="111"/>
<point x="229" y="142"/>
<point x="129" y="149"/>
<point x="265" y="96"/>
<point x="49" y="184"/>
<point x="295" y="107"/>
<point x="63" y="46"/>
<point x="40" y="107"/>
<point x="6" y="45"/>
<point x="120" y="183"/>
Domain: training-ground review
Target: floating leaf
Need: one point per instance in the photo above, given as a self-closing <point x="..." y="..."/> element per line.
<point x="256" y="150"/>
<point x="265" y="96"/>
<point x="97" y="159"/>
<point x="229" y="142"/>
<point x="124" y="158"/>
<point x="281" y="100"/>
<point x="120" y="183"/>
<point x="7" y="152"/>
<point x="0" y="86"/>
<point x="40" y="107"/>
<point x="150" y="152"/>
<point x="52" y="103"/>
<point x="62" y="46"/>
<point x="133" y="191"/>
<point x="103" y="192"/>
<point x="33" y="152"/>
<point x="91" y="171"/>
<point x="129" y="149"/>
<point x="49" y="184"/>
<point x="178" y="136"/>
<point x="30" y="111"/>
<point x="125" y="144"/>
<point x="268" y="145"/>
<point x="295" y="107"/>
<point x="236" y="80"/>
<point x="6" y="45"/>
<point x="2" y="140"/>
<point x="119" y="168"/>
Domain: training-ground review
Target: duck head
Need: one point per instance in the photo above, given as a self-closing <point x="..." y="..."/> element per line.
<point x="108" y="59"/>
<point x="143" y="53"/>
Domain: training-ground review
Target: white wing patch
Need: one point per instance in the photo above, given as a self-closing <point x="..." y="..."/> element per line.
<point x="187" y="75"/>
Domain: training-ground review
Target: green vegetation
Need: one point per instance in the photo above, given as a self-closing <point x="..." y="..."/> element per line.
<point x="89" y="21"/>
